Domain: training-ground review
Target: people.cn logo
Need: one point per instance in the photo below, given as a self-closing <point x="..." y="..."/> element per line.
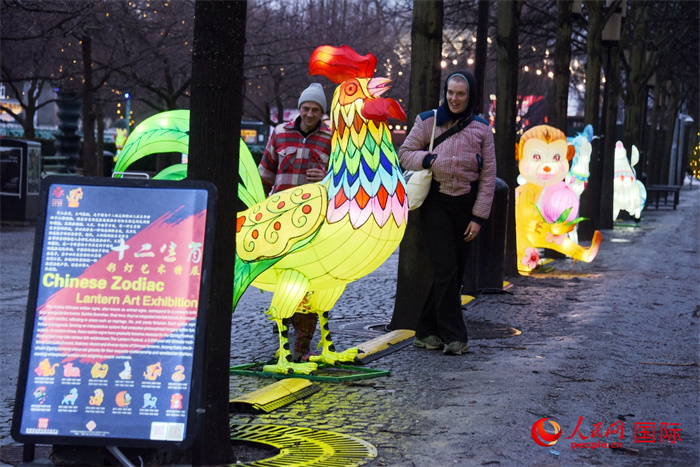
<point x="542" y="437"/>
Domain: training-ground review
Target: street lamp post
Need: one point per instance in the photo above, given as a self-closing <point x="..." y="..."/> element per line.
<point x="127" y="97"/>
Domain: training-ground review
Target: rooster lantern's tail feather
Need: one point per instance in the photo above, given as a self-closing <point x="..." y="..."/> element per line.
<point x="169" y="132"/>
<point x="163" y="132"/>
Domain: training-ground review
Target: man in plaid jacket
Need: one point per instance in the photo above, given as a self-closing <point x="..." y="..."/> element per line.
<point x="297" y="153"/>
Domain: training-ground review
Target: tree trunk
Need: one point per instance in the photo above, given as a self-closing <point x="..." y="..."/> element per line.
<point x="590" y="198"/>
<point x="655" y="135"/>
<point x="30" y="109"/>
<point x="639" y="73"/>
<point x="414" y="272"/>
<point x="612" y="96"/>
<point x="278" y="99"/>
<point x="593" y="66"/>
<point x="426" y="54"/>
<point x="215" y="129"/>
<point x="671" y="115"/>
<point x="100" y="143"/>
<point x="482" y="32"/>
<point x="562" y="62"/>
<point x="28" y="102"/>
<point x="506" y="109"/>
<point x="88" y="153"/>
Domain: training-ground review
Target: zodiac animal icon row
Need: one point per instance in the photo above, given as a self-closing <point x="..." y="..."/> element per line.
<point x="121" y="399"/>
<point x="100" y="370"/>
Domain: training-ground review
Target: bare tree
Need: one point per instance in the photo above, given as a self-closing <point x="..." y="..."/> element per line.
<point x="413" y="277"/>
<point x="215" y="122"/>
<point x="31" y="52"/>
<point x="658" y="36"/>
<point x="562" y="62"/>
<point x="155" y="42"/>
<point x="507" y="43"/>
<point x="281" y="37"/>
<point x="598" y="15"/>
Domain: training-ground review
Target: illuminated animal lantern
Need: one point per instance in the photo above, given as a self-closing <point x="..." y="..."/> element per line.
<point x="546" y="208"/>
<point x="122" y="133"/>
<point x="629" y="194"/>
<point x="319" y="237"/>
<point x="579" y="172"/>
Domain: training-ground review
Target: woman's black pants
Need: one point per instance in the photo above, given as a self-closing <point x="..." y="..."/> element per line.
<point x="443" y="220"/>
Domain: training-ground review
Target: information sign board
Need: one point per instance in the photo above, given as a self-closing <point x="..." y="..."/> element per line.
<point x="112" y="351"/>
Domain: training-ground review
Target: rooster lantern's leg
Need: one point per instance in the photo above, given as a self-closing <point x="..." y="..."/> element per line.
<point x="291" y="288"/>
<point x="322" y="301"/>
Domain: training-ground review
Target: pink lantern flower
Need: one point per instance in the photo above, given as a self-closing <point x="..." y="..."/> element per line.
<point x="553" y="238"/>
<point x="531" y="258"/>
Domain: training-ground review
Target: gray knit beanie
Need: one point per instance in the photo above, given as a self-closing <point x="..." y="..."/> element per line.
<point x="314" y="93"/>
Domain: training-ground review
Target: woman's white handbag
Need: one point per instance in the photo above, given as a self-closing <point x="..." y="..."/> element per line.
<point x="418" y="181"/>
<point x="417" y="186"/>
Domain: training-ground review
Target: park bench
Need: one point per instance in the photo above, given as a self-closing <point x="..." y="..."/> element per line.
<point x="657" y="191"/>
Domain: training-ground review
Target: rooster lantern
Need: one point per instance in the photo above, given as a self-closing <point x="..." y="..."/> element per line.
<point x="319" y="237"/>
<point x="315" y="238"/>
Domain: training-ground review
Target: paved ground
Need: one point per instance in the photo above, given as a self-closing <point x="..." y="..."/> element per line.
<point x="614" y="342"/>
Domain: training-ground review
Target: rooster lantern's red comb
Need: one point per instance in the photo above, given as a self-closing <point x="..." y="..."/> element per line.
<point x="341" y="63"/>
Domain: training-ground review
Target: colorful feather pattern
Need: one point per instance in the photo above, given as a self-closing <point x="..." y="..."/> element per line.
<point x="363" y="177"/>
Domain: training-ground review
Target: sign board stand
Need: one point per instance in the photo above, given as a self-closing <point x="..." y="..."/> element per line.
<point x="113" y="347"/>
